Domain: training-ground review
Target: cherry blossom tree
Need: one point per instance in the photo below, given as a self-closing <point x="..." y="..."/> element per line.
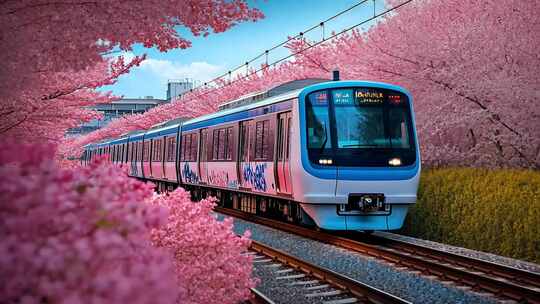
<point x="471" y="67"/>
<point x="94" y="235"/>
<point x="54" y="54"/>
<point x="209" y="259"/>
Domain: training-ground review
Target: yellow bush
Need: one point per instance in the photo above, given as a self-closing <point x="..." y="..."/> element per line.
<point x="496" y="211"/>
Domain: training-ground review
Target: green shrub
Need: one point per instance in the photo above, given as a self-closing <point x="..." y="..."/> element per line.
<point x="496" y="211"/>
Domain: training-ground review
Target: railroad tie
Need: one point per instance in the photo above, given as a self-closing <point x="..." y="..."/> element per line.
<point x="294" y="276"/>
<point x="324" y="294"/>
<point x="262" y="261"/>
<point x="272" y="265"/>
<point x="285" y="270"/>
<point x="303" y="282"/>
<point x="342" y="301"/>
<point x="317" y="287"/>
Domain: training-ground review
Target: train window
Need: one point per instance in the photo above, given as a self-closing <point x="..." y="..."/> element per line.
<point x="146" y="151"/>
<point x="359" y="127"/>
<point x="186" y="145"/>
<point x="288" y="143"/>
<point x="229" y="143"/>
<point x="204" y="146"/>
<point x="281" y="136"/>
<point x="171" y="149"/>
<point x="189" y="147"/>
<point x="127" y="151"/>
<point x="318" y="122"/>
<point x="215" y="144"/>
<point x="193" y="154"/>
<point x="244" y="141"/>
<point x="156" y="150"/>
<point x="262" y="147"/>
<point x="222" y="144"/>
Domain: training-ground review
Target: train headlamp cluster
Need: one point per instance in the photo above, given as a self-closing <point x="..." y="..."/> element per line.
<point x="394" y="162"/>
<point x="324" y="161"/>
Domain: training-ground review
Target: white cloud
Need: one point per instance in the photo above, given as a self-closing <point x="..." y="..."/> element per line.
<point x="166" y="70"/>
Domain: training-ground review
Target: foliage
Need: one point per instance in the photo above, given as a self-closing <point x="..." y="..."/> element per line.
<point x="496" y="211"/>
<point x="472" y="68"/>
<point x="94" y="235"/>
<point x="208" y="256"/>
<point x="54" y="54"/>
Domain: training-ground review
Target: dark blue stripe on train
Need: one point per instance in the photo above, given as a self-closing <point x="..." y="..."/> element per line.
<point x="239" y="116"/>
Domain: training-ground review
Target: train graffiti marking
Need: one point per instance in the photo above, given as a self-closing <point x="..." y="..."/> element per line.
<point x="255" y="176"/>
<point x="189" y="175"/>
<point x="221" y="178"/>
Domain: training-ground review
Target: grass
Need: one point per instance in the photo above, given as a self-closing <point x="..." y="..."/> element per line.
<point x="495" y="211"/>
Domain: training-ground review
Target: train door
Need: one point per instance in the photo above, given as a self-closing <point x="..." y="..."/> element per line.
<point x="282" y="159"/>
<point x="244" y="153"/>
<point x="203" y="156"/>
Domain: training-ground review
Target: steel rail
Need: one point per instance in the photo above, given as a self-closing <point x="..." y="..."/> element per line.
<point x="507" y="286"/>
<point x="356" y="288"/>
<point x="258" y="297"/>
<point x="517" y="275"/>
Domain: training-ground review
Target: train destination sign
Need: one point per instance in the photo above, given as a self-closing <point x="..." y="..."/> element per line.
<point x="369" y="96"/>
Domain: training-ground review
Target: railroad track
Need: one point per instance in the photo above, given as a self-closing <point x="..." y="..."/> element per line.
<point x="482" y="276"/>
<point x="324" y="284"/>
<point x="258" y="297"/>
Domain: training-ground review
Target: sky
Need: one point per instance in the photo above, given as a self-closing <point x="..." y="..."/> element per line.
<point x="216" y="54"/>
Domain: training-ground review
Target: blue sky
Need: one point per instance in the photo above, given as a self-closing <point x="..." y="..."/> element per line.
<point x="215" y="54"/>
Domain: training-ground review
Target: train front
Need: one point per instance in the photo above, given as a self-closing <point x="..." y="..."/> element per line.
<point x="358" y="154"/>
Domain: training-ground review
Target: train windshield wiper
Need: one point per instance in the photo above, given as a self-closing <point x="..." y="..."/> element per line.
<point x="325" y="139"/>
<point x="360" y="146"/>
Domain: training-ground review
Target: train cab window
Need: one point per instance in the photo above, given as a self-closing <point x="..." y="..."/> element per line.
<point x="318" y="121"/>
<point x="359" y="126"/>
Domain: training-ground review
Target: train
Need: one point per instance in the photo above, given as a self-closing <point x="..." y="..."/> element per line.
<point x="340" y="155"/>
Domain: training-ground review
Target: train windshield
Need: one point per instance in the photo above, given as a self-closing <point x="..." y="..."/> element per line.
<point x="359" y="127"/>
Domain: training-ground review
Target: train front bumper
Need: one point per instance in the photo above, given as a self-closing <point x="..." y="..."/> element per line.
<point x="327" y="217"/>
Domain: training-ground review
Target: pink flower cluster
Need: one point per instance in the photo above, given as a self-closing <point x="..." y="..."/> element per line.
<point x="471" y="67"/>
<point x="94" y="235"/>
<point x="209" y="258"/>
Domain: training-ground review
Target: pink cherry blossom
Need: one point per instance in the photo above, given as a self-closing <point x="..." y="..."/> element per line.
<point x="94" y="235"/>
<point x="471" y="67"/>
<point x="54" y="54"/>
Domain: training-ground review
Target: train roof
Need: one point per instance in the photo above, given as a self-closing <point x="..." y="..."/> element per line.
<point x="262" y="103"/>
<point x="245" y="103"/>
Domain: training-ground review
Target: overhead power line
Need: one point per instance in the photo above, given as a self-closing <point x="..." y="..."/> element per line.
<point x="299" y="35"/>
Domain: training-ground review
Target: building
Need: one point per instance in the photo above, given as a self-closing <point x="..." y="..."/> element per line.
<point x="175" y="88"/>
<point x="125" y="106"/>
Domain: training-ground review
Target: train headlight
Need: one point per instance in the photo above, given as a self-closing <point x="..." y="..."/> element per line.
<point x="394" y="162"/>
<point x="324" y="161"/>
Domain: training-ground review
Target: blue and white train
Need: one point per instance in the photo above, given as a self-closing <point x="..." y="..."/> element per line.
<point x="343" y="155"/>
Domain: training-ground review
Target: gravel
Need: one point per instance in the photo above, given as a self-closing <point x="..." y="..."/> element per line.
<point x="281" y="290"/>
<point x="402" y="283"/>
<point x="465" y="252"/>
